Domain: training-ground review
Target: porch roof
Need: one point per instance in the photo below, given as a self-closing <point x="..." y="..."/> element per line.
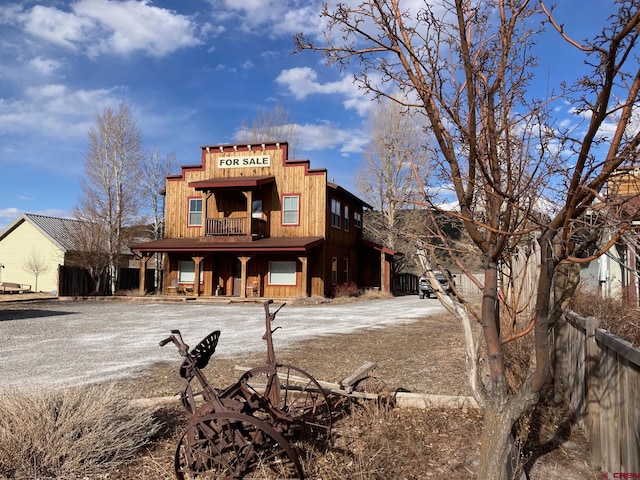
<point x="375" y="246"/>
<point x="204" y="244"/>
<point x="232" y="182"/>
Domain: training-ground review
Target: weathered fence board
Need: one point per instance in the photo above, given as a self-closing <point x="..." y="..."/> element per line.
<point x="599" y="374"/>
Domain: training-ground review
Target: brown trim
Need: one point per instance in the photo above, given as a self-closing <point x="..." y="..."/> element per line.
<point x="297" y="224"/>
<point x="265" y="245"/>
<point x="232" y="182"/>
<point x="375" y="246"/>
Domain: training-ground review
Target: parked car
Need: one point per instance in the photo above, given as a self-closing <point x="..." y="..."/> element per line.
<point x="424" y="286"/>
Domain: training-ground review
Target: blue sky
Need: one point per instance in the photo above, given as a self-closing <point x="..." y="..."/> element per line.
<point x="192" y="72"/>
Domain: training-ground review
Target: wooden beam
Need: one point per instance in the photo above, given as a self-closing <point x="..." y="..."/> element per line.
<point x="304" y="274"/>
<point x="143" y="273"/>
<point x="196" y="280"/>
<point x="243" y="275"/>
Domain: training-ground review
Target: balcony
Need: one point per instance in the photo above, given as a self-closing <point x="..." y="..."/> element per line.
<point x="226" y="227"/>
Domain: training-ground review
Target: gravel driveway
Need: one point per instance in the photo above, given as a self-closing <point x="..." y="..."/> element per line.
<point x="62" y="343"/>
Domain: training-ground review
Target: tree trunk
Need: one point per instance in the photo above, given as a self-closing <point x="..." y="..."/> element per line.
<point x="499" y="456"/>
<point x="494" y="441"/>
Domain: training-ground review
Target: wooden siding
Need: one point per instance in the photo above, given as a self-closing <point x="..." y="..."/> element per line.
<point x="624" y="183"/>
<point x="13" y="255"/>
<point x="292" y="178"/>
<point x="227" y="191"/>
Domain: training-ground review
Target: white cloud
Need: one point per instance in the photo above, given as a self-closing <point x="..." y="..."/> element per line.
<point x="55" y="26"/>
<point x="303" y="81"/>
<point x="137" y="25"/>
<point x="8" y="215"/>
<point x="97" y="27"/>
<point x="44" y="66"/>
<point x="328" y="136"/>
<point x="261" y="15"/>
<point x="53" y="109"/>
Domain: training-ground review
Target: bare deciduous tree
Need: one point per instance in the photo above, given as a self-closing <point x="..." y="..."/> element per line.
<point x="35" y="264"/>
<point x="111" y="187"/>
<point x="88" y="242"/>
<point x="271" y="126"/>
<point x="523" y="182"/>
<point x="153" y="177"/>
<point x="386" y="179"/>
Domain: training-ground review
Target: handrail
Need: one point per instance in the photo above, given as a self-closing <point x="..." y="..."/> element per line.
<point x="226" y="226"/>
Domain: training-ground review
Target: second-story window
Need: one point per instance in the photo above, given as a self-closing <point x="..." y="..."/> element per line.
<point x="195" y="212"/>
<point x="346" y="218"/>
<point x="335" y="213"/>
<point x="357" y="219"/>
<point x="290" y="210"/>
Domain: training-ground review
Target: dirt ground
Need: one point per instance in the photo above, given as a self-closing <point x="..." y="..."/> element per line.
<point x="426" y="356"/>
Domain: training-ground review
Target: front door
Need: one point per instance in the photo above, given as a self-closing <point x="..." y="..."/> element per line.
<point x="237" y="277"/>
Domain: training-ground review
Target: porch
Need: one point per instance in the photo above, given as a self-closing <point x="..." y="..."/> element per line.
<point x="233" y="228"/>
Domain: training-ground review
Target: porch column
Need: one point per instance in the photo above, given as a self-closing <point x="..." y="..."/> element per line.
<point x="383" y="273"/>
<point x="249" y="196"/>
<point x="303" y="275"/>
<point x="196" y="280"/>
<point x="143" y="273"/>
<point x="243" y="276"/>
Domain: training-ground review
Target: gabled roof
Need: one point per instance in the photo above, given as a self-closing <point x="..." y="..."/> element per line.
<point x="56" y="229"/>
<point x="348" y="194"/>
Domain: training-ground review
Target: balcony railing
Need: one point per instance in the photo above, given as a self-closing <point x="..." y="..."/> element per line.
<point x="226" y="226"/>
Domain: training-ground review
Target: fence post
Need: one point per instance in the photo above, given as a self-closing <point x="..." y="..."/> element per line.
<point x="592" y="385"/>
<point x="560" y="367"/>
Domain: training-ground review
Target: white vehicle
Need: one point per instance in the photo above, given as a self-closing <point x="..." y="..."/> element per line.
<point x="446" y="280"/>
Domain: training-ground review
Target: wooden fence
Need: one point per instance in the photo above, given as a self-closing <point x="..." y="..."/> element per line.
<point x="599" y="374"/>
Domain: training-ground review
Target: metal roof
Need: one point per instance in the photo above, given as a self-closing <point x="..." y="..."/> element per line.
<point x="57" y="229"/>
<point x="205" y="244"/>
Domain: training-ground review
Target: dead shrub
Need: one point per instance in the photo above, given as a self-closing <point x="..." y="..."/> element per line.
<point x="376" y="443"/>
<point x="345" y="290"/>
<point x="373" y="294"/>
<point x="313" y="300"/>
<point x="614" y="315"/>
<point x="71" y="432"/>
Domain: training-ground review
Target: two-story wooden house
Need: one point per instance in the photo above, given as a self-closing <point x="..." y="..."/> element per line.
<point x="247" y="221"/>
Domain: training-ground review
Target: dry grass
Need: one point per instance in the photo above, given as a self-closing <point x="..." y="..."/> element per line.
<point x="614" y="315"/>
<point x="368" y="443"/>
<point x="70" y="433"/>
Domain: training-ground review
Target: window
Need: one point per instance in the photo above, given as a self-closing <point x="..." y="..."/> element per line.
<point x="357" y="219"/>
<point x="290" y="210"/>
<point x="346" y="218"/>
<point x="187" y="271"/>
<point x="256" y="209"/>
<point x="335" y="213"/>
<point x="195" y="212"/>
<point x="345" y="271"/>
<point x="334" y="270"/>
<point x="282" y="273"/>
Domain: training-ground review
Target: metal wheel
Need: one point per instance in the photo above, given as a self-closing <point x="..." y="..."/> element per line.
<point x="231" y="445"/>
<point x="301" y="398"/>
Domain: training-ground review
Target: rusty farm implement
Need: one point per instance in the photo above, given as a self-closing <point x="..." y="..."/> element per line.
<point x="245" y="430"/>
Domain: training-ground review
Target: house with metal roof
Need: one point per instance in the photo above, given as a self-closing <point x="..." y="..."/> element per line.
<point x="249" y="221"/>
<point x="31" y="250"/>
